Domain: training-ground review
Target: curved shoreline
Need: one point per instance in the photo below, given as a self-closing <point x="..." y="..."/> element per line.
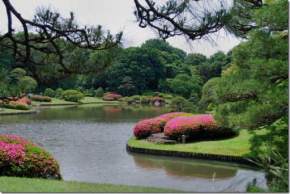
<point x="192" y="155"/>
<point x="18" y="112"/>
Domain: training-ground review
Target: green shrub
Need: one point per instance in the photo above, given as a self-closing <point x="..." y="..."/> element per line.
<point x="99" y="92"/>
<point x="72" y="95"/>
<point x="88" y="92"/>
<point x="58" y="92"/>
<point x="16" y="106"/>
<point x="146" y="99"/>
<point x="40" y="98"/>
<point x="49" y="92"/>
<point x="181" y="104"/>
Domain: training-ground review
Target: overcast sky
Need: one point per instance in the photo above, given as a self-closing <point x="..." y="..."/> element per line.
<point x="117" y="15"/>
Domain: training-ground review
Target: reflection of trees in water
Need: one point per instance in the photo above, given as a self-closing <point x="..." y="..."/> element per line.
<point x="181" y="168"/>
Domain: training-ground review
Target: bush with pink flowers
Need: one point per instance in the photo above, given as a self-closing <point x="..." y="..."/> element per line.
<point x="147" y="127"/>
<point x="195" y="127"/>
<point x="20" y="157"/>
<point x="111" y="96"/>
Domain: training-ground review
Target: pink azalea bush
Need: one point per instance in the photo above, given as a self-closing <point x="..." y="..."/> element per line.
<point x="192" y="126"/>
<point x="111" y="96"/>
<point x="20" y="157"/>
<point x="147" y="127"/>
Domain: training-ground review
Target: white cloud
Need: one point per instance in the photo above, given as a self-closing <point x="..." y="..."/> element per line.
<point x="117" y="15"/>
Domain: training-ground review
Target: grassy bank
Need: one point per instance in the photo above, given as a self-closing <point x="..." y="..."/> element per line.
<point x="54" y="102"/>
<point x="237" y="146"/>
<point x="85" y="100"/>
<point x="6" y="111"/>
<point x="11" y="184"/>
<point x="95" y="100"/>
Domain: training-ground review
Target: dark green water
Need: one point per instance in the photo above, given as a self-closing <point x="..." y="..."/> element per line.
<point x="89" y="143"/>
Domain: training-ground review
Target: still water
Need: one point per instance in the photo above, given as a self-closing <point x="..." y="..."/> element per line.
<point x="89" y="143"/>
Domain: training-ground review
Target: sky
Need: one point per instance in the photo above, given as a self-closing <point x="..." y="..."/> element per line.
<point x="116" y="16"/>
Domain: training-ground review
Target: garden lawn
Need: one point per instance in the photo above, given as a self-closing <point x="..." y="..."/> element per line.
<point x="95" y="100"/>
<point x="12" y="184"/>
<point x="237" y="146"/>
<point x="54" y="102"/>
<point x="6" y="111"/>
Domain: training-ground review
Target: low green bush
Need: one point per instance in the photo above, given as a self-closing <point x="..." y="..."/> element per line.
<point x="49" y="92"/>
<point x="88" y="92"/>
<point x="181" y="104"/>
<point x="72" y="95"/>
<point x="99" y="92"/>
<point x="145" y="100"/>
<point x="58" y="92"/>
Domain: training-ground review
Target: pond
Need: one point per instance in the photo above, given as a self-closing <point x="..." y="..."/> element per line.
<point x="89" y="143"/>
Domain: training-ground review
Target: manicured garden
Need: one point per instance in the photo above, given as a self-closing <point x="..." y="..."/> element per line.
<point x="236" y="146"/>
<point x="200" y="133"/>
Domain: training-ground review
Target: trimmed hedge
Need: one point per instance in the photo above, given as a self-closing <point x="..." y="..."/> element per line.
<point x="20" y="157"/>
<point x="72" y="95"/>
<point x="111" y="96"/>
<point x="49" y="92"/>
<point x="39" y="98"/>
<point x="147" y="127"/>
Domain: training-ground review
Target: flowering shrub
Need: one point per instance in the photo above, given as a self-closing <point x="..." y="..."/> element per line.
<point x="20" y="157"/>
<point x="39" y="98"/>
<point x="195" y="127"/>
<point x="111" y="96"/>
<point x="147" y="127"/>
<point x="24" y="101"/>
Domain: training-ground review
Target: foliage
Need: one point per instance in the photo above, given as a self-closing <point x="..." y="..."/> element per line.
<point x="271" y="153"/>
<point x="185" y="85"/>
<point x="72" y="95"/>
<point x="181" y="104"/>
<point x="39" y="98"/>
<point x="49" y="92"/>
<point x="99" y="92"/>
<point x="20" y="157"/>
<point x="58" y="92"/>
<point x="253" y="90"/>
<point x="15" y="82"/>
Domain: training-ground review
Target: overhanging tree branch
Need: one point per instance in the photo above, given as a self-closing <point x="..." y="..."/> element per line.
<point x="42" y="33"/>
<point x="193" y="18"/>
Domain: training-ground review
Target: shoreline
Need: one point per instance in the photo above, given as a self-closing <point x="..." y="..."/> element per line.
<point x="191" y="155"/>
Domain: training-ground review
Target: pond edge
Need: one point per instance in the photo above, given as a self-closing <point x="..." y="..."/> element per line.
<point x="192" y="155"/>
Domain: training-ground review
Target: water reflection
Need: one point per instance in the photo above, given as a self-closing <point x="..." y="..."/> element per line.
<point x="186" y="168"/>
